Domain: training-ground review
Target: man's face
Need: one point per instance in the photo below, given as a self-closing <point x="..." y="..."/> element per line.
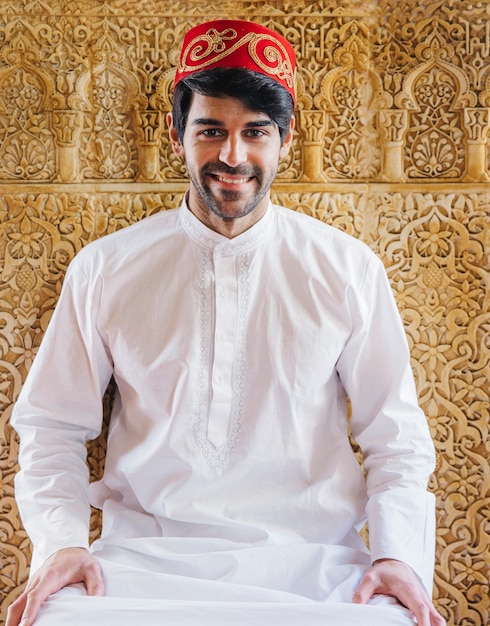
<point x="232" y="155"/>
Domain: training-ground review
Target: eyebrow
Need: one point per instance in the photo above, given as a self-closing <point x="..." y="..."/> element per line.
<point x="209" y="121"/>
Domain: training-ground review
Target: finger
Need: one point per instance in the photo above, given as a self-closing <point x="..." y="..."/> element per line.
<point x="366" y="590"/>
<point x="421" y="613"/>
<point x="31" y="609"/>
<point x="42" y="589"/>
<point x="436" y="618"/>
<point x="14" y="614"/>
<point x="48" y="582"/>
<point x="420" y="605"/>
<point x="93" y="579"/>
<point x="427" y="615"/>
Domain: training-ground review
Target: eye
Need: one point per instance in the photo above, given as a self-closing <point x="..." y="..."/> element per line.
<point x="254" y="132"/>
<point x="212" y="132"/>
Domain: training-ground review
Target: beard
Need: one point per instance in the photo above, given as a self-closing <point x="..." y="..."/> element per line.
<point x="230" y="204"/>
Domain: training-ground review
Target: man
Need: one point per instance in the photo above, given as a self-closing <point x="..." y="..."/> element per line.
<point x="235" y="331"/>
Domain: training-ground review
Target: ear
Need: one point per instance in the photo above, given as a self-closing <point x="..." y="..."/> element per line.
<point x="177" y="146"/>
<point x="288" y="139"/>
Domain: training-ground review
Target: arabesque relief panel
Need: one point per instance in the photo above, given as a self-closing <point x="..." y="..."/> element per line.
<point x="391" y="146"/>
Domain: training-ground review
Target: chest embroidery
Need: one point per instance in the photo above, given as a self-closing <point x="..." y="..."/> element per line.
<point x="228" y="407"/>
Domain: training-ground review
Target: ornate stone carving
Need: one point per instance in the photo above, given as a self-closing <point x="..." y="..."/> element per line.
<point x="149" y="126"/>
<point x="392" y="124"/>
<point x="351" y="95"/>
<point x="391" y="145"/>
<point x="434" y="93"/>
<point x="27" y="146"/>
<point x="476" y="124"/>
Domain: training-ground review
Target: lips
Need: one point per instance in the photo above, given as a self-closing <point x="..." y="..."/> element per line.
<point x="231" y="181"/>
<point x="231" y="176"/>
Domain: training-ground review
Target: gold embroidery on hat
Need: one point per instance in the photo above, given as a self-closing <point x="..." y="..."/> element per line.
<point x="214" y="43"/>
<point x="275" y="53"/>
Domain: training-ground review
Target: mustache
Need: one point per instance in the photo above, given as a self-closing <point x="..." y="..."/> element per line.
<point x="247" y="171"/>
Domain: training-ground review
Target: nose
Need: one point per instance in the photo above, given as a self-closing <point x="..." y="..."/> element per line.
<point x="233" y="151"/>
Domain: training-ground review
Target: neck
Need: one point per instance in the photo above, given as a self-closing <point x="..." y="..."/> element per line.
<point x="229" y="227"/>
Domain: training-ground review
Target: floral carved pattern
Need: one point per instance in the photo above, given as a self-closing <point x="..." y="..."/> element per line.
<point x="391" y="145"/>
<point x="436" y="148"/>
<point x="26" y="140"/>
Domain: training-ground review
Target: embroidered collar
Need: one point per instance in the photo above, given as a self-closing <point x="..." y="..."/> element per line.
<point x="221" y="245"/>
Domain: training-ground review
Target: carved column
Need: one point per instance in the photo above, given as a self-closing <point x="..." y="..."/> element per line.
<point x="149" y="126"/>
<point x="392" y="127"/>
<point x="476" y="124"/>
<point x="67" y="125"/>
<point x="312" y="124"/>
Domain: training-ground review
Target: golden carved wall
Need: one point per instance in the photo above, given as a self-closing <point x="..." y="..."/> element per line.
<point x="392" y="145"/>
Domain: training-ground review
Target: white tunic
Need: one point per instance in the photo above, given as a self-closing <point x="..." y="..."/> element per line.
<point x="229" y="474"/>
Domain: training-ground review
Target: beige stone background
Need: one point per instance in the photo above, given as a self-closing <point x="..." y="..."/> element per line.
<point x="392" y="146"/>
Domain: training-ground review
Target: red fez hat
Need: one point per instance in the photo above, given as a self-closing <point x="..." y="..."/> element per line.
<point x="240" y="44"/>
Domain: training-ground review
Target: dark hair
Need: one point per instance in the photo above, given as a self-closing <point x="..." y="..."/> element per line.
<point x="256" y="91"/>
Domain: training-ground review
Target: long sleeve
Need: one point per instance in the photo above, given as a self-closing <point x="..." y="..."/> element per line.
<point x="143" y="305"/>
<point x="390" y="428"/>
<point x="58" y="410"/>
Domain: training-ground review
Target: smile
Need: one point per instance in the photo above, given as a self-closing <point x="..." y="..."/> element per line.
<point x="232" y="181"/>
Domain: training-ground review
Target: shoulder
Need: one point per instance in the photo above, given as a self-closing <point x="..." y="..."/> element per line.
<point x="143" y="231"/>
<point x="129" y="243"/>
<point x="309" y="233"/>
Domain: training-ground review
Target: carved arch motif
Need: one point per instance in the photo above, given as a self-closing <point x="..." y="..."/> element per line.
<point x="435" y="94"/>
<point x="108" y="144"/>
<point x="351" y="93"/>
<point x="109" y="91"/>
<point x="26" y="137"/>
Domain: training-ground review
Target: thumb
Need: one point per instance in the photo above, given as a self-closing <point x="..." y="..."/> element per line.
<point x="93" y="579"/>
<point x="365" y="591"/>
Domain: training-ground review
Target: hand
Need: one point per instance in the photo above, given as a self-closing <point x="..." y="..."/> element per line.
<point x="63" y="568"/>
<point x="394" y="578"/>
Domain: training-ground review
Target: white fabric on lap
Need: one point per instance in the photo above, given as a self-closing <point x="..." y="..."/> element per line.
<point x="107" y="611"/>
<point x="139" y="596"/>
